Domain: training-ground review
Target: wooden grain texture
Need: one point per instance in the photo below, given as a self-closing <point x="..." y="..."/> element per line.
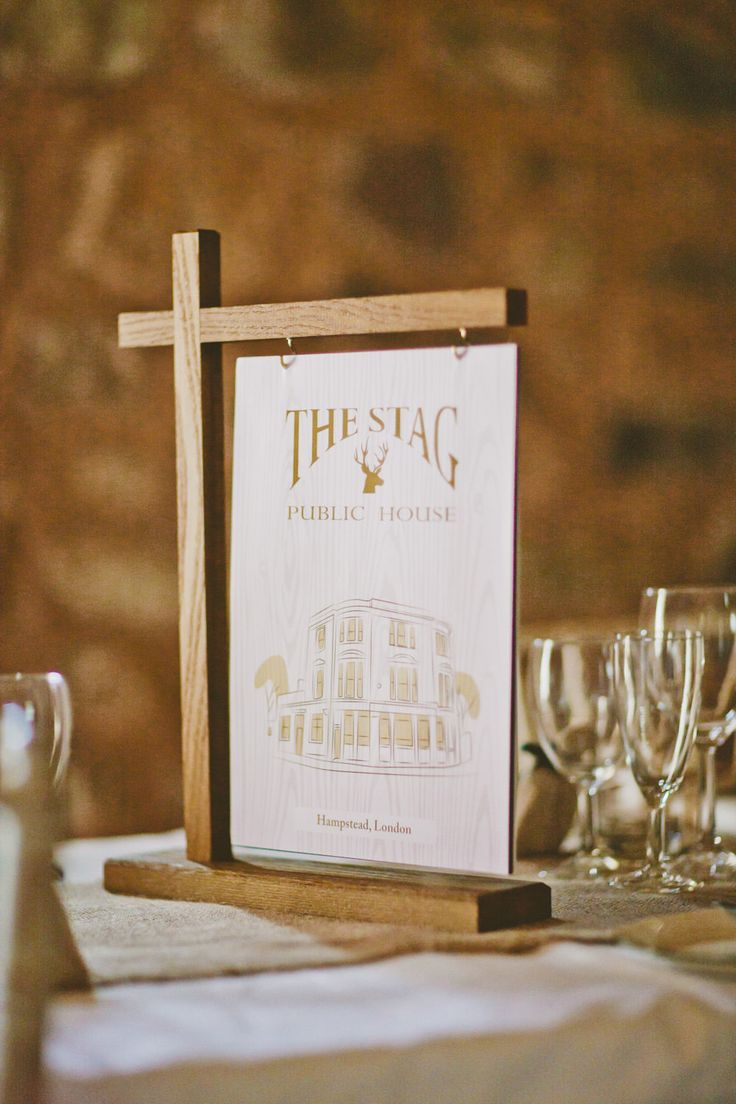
<point x="454" y="809"/>
<point x="422" y="311"/>
<point x="203" y="638"/>
<point x="418" y="899"/>
<point x="196" y="327"/>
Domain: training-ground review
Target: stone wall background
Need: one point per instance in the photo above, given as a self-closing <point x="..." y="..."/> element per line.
<point x="584" y="151"/>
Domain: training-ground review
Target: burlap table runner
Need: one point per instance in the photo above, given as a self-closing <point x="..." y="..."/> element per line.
<point x="124" y="939"/>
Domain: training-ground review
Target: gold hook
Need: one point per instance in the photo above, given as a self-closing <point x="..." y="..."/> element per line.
<point x="460" y="350"/>
<point x="287" y="361"/>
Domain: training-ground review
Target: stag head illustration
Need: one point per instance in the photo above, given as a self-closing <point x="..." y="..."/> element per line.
<point x="372" y="477"/>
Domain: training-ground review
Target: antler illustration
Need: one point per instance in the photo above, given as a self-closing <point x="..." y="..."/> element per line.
<point x="372" y="477"/>
<point x="361" y="460"/>
<point x="380" y="457"/>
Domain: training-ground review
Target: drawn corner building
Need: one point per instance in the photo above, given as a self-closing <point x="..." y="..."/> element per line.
<point x="379" y="691"/>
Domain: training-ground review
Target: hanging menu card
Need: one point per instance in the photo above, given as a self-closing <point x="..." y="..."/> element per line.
<point x="372" y="606"/>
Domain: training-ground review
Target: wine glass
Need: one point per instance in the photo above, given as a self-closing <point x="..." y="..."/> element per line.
<point x="35" y="733"/>
<point x="571" y="695"/>
<point x="712" y="611"/>
<point x="35" y="709"/>
<point x="657" y="678"/>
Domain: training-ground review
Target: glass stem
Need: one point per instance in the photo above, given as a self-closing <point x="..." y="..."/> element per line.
<point x="707" y="803"/>
<point x="656" y="836"/>
<point x="586" y="818"/>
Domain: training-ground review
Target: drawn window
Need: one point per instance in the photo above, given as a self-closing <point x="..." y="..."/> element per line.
<point x="401" y="635"/>
<point x="440" y="643"/>
<point x="403" y="683"/>
<point x="353" y="679"/>
<point x="317" y="735"/>
<point x="384" y="730"/>
<point x="423" y="733"/>
<point x="285" y="733"/>
<point x="351" y="629"/>
<point x="403" y="731"/>
<point x="364" y="732"/>
<point x="348" y="728"/>
<point x="444" y="690"/>
<point x="341" y="680"/>
<point x="319" y="682"/>
<point x="321" y="632"/>
<point x="440" y="734"/>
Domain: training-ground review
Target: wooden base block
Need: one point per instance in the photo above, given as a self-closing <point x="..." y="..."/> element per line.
<point x="443" y="902"/>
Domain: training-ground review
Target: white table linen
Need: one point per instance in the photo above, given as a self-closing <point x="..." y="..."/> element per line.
<point x="568" y="1023"/>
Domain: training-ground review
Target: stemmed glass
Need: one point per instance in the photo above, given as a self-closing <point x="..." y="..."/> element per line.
<point x="35" y="733"/>
<point x="571" y="695"/>
<point x="35" y="710"/>
<point x="657" y="679"/>
<point x="712" y="611"/>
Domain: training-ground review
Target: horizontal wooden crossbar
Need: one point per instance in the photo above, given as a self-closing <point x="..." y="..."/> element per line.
<point x="378" y="314"/>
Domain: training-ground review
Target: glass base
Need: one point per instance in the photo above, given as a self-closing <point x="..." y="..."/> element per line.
<point x="708" y="867"/>
<point x="585" y="866"/>
<point x="655" y="879"/>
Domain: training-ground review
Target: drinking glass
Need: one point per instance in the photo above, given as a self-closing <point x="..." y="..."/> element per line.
<point x="711" y="611"/>
<point x="572" y="704"/>
<point x="657" y="679"/>
<point x="35" y="733"/>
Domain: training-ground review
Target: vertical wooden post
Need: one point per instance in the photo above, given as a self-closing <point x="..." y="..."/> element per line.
<point x="203" y="607"/>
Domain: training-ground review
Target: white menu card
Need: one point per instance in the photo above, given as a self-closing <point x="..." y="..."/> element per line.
<point x="372" y="606"/>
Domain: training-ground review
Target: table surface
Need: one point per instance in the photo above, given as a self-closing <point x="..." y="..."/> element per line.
<point x="568" y="1022"/>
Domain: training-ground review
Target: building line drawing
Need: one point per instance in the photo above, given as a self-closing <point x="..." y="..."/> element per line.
<point x="379" y="693"/>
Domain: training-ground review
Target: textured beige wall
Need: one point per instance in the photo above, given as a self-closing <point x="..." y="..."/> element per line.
<point x="582" y="150"/>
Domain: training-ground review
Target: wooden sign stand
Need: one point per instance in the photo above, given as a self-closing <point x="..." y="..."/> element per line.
<point x="197" y="327"/>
